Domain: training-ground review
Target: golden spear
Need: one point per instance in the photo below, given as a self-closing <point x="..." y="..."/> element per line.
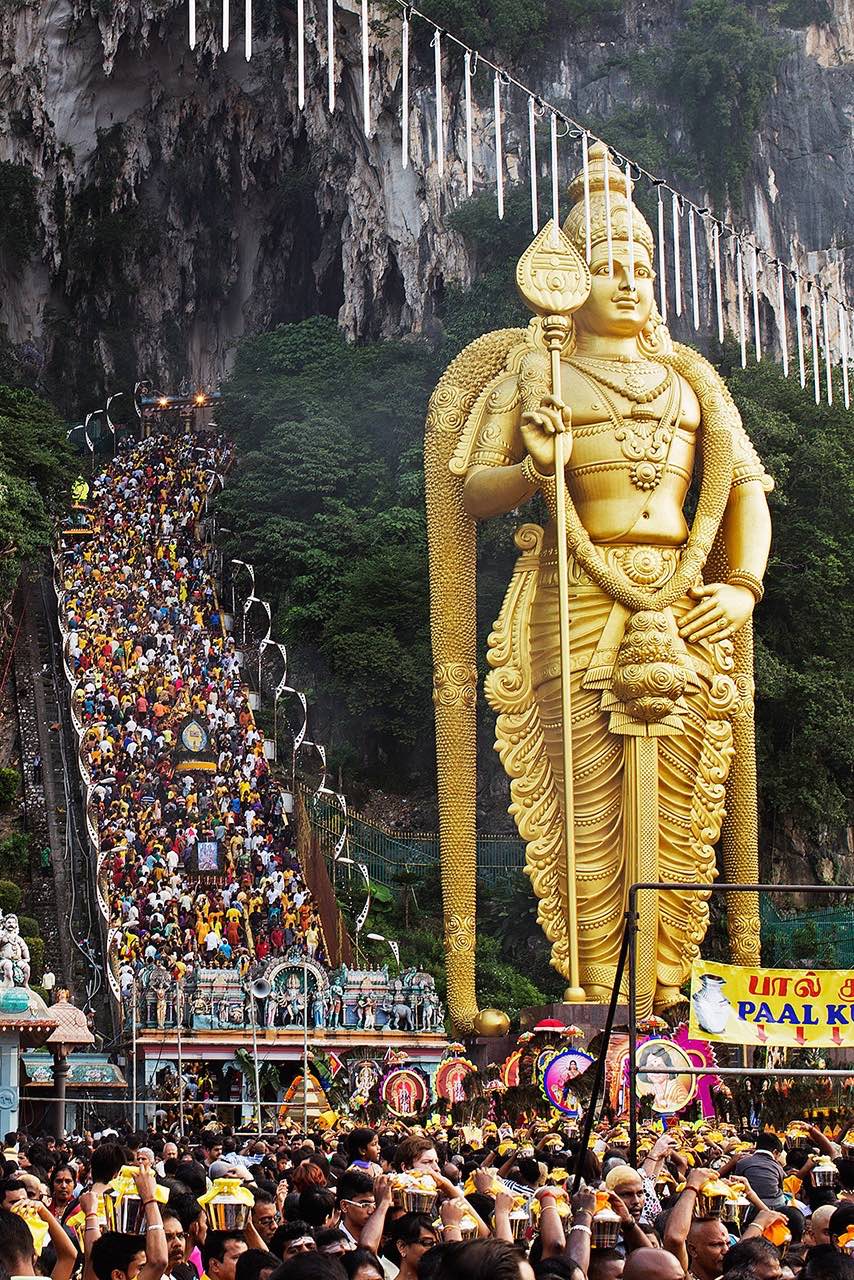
<point x="553" y="280"/>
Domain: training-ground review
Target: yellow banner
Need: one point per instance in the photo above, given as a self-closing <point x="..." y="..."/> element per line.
<point x="794" y="1007"/>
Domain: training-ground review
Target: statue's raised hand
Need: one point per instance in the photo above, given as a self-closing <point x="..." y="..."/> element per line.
<point x="539" y="428"/>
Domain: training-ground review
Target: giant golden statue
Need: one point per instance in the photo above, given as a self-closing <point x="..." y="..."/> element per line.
<point x="622" y="657"/>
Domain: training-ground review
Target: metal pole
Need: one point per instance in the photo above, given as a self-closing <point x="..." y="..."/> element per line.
<point x="631" y="929"/>
<point x="60" y="1077"/>
<point x="255" y="1059"/>
<point x="133" y="1052"/>
<point x="599" y="1077"/>
<point x="305" y="1048"/>
<point x="574" y="991"/>
<point x="180" y="1010"/>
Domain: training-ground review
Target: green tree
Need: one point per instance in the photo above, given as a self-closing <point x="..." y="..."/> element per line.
<point x="720" y="68"/>
<point x="805" y="624"/>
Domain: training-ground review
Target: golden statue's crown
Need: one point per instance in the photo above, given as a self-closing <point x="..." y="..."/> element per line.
<point x="599" y="161"/>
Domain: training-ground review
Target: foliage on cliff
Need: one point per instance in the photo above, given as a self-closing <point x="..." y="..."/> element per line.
<point x="35" y="472"/>
<point x="327" y="502"/>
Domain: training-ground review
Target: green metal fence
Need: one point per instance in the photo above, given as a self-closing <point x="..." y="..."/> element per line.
<point x="808" y="939"/>
<point x="822" y="939"/>
<point x="389" y="854"/>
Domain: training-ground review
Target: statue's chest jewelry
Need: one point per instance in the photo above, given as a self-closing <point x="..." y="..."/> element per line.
<point x="644" y="436"/>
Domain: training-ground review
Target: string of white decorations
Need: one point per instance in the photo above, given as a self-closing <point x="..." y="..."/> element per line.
<point x="761" y="259"/>
<point x="499" y="152"/>
<point x="330" y="54"/>
<point x="440" y="128"/>
<point x="532" y="161"/>
<point x="404" y="91"/>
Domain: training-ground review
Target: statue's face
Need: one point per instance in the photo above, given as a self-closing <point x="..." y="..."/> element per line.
<point x="615" y="308"/>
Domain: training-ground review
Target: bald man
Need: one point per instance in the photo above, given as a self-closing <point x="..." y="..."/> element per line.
<point x="816" y="1231"/>
<point x="628" y="1184"/>
<point x="652" y="1264"/>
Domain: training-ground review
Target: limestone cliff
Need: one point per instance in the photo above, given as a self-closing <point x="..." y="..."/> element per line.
<point x="182" y="199"/>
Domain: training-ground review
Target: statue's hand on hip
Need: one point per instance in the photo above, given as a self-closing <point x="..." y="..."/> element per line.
<point x="722" y="610"/>
<point x="539" y="428"/>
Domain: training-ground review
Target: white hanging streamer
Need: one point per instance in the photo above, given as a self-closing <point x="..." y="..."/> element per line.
<point x="330" y="54"/>
<point x="842" y="318"/>
<point x="404" y="102"/>
<point x="692" y="251"/>
<point x="555" y="189"/>
<point x="677" y="253"/>
<point x="754" y="284"/>
<point x="828" y="368"/>
<point x="247" y="29"/>
<point x="607" y="171"/>
<point x="499" y="153"/>
<point x="532" y="154"/>
<point x="437" y="77"/>
<point x="585" y="166"/>
<point x="800" y="329"/>
<point x="716" y="254"/>
<point x="781" y="306"/>
<point x="300" y="53"/>
<point x="662" y="261"/>
<point x="366" y="71"/>
<point x="226" y="24"/>
<point x="192" y="21"/>
<point x="739" y="275"/>
<point x="814" y="340"/>
<point x="630" y="225"/>
<point x="467" y="86"/>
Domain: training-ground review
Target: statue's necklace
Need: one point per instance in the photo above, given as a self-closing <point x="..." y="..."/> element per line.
<point x="632" y="387"/>
<point x="646" y="443"/>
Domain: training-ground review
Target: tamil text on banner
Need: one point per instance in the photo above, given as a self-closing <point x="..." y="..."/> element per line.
<point x="795" y="1007"/>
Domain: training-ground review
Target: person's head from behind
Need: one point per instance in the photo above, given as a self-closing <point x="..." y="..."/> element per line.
<point x="16" y="1244"/>
<point x="413" y="1234"/>
<point x="707" y="1243"/>
<point x="193" y="1176"/>
<point x="771" y="1143"/>
<point x="605" y="1264"/>
<point x="483" y="1260"/>
<point x="362" y="1264"/>
<point x="652" y="1264"/>
<point x="107" y="1160"/>
<point x="826" y="1262"/>
<point x="528" y="1171"/>
<point x="256" y="1264"/>
<point x="317" y="1208"/>
<point x="310" y="1266"/>
<point x="220" y="1251"/>
<point x="760" y="1255"/>
<point x="116" y="1256"/>
<point x="841" y="1220"/>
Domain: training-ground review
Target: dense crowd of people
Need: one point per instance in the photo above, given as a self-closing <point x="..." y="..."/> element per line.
<point x="147" y="648"/>
<point x="484" y="1203"/>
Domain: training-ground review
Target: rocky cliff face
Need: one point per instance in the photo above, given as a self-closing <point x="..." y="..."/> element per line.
<point x="183" y="199"/>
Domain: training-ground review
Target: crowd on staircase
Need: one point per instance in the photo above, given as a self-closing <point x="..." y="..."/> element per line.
<point x="147" y="649"/>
